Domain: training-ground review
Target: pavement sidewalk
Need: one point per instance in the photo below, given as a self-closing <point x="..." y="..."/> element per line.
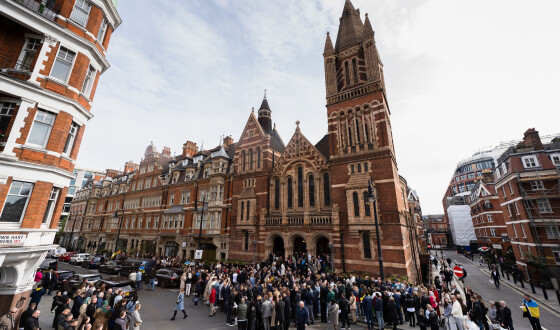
<point x="551" y="304"/>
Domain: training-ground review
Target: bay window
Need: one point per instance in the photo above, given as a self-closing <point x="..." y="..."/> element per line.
<point x="41" y="129"/>
<point x="63" y="64"/>
<point x="16" y="201"/>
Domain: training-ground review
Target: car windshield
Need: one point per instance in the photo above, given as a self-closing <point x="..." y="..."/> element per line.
<point x="97" y="259"/>
<point x="125" y="288"/>
<point x="64" y="275"/>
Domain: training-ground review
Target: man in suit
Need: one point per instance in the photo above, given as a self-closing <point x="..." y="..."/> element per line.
<point x="266" y="314"/>
<point x="47" y="281"/>
<point x="367" y="306"/>
<point x="495" y="275"/>
<point x="287" y="305"/>
<point x="280" y="308"/>
<point x="323" y="292"/>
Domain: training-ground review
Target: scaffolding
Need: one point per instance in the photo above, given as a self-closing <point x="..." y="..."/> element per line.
<point x="536" y="201"/>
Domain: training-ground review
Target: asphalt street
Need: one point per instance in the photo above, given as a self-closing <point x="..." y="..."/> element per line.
<point x="480" y="283"/>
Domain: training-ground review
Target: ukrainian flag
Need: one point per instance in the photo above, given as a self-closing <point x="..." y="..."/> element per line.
<point x="532" y="307"/>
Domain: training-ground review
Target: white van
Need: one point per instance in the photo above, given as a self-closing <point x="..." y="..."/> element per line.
<point x="55" y="253"/>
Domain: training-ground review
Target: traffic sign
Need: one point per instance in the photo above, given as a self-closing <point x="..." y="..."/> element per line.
<point x="458" y="271"/>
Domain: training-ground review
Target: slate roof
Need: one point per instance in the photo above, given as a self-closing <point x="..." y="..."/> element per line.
<point x="276" y="142"/>
<point x="323" y="146"/>
<point x="350" y="30"/>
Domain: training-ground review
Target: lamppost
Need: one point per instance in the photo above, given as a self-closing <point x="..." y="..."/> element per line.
<point x="373" y="200"/>
<point x="254" y="250"/>
<point x="116" y="215"/>
<point x="331" y="250"/>
<point x="73" y="217"/>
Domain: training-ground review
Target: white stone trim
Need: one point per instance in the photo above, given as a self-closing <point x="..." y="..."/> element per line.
<point x="17" y="124"/>
<point x="512" y="201"/>
<point x="34" y="172"/>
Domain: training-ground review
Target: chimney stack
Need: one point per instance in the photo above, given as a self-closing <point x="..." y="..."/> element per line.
<point x="532" y="138"/>
<point x="130" y="167"/>
<point x="228" y="140"/>
<point x="166" y="151"/>
<point x="189" y="149"/>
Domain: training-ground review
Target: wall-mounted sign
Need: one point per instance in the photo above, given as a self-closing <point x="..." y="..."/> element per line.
<point x="12" y="240"/>
<point x="198" y="254"/>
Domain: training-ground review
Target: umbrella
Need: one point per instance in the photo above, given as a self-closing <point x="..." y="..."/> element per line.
<point x="483" y="248"/>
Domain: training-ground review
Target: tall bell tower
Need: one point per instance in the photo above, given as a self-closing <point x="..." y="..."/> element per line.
<point x="354" y="85"/>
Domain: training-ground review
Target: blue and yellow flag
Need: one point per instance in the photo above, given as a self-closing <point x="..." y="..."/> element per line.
<point x="532" y="307"/>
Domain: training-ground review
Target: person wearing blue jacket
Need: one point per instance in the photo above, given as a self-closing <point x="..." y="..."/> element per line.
<point x="367" y="306"/>
<point x="180" y="305"/>
<point x="309" y="298"/>
<point x="302" y="316"/>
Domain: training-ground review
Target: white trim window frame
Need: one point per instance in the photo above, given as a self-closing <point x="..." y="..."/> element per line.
<point x="69" y="145"/>
<point x="18" y="191"/>
<point x="6" y="112"/>
<point x="64" y="61"/>
<point x="552" y="232"/>
<point x="530" y="161"/>
<point x="30" y="49"/>
<point x="88" y="81"/>
<point x="489" y="216"/>
<point x="102" y="30"/>
<point x="544" y="205"/>
<point x="51" y="205"/>
<point x="80" y="12"/>
<point x="556" y="254"/>
<point x="537" y="185"/>
<point x="40" y="132"/>
<point x="555" y="159"/>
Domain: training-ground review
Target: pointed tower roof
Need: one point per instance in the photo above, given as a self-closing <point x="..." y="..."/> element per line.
<point x="264" y="104"/>
<point x="368" y="30"/>
<point x="350" y="28"/>
<point x="328" y="45"/>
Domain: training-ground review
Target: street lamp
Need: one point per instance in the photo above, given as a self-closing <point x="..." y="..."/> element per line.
<point x="73" y="217"/>
<point x="331" y="250"/>
<point x="372" y="199"/>
<point x="254" y="250"/>
<point x="116" y="215"/>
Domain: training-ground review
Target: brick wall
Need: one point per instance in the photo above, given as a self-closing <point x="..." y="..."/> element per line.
<point x="37" y="205"/>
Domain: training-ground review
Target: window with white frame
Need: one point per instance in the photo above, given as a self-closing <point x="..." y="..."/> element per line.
<point x="16" y="201"/>
<point x="516" y="208"/>
<point x="556" y="254"/>
<point x="514" y="230"/>
<point x="28" y="53"/>
<point x="530" y="161"/>
<point x="102" y="30"/>
<point x="6" y="112"/>
<point x="42" y="126"/>
<point x="63" y="64"/>
<point x="69" y="145"/>
<point x="555" y="158"/>
<point x="489" y="216"/>
<point x="521" y="252"/>
<point x="80" y="13"/>
<point x="185" y="197"/>
<point x="537" y="185"/>
<point x="510" y="188"/>
<point x="504" y="168"/>
<point x="50" y="206"/>
<point x="523" y="230"/>
<point x="552" y="232"/>
<point x="493" y="232"/>
<point x="88" y="81"/>
<point x="544" y="205"/>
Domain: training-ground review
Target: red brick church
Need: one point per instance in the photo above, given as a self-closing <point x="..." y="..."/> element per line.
<point x="299" y="196"/>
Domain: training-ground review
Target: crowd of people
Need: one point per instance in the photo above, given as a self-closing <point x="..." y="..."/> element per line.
<point x="279" y="293"/>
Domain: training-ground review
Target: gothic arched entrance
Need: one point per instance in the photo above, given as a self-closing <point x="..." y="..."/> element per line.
<point x="300" y="246"/>
<point x="278" y="246"/>
<point x="322" y="246"/>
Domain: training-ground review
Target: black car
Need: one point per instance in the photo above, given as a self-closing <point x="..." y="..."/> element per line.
<point x="62" y="275"/>
<point x="134" y="264"/>
<point x="168" y="277"/>
<point x="95" y="262"/>
<point x="111" y="267"/>
<point x="72" y="283"/>
<point x="48" y="264"/>
<point x="123" y="283"/>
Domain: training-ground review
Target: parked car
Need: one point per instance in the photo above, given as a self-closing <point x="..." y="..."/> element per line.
<point x="94" y="262"/>
<point x="167" y="278"/>
<point x="65" y="257"/>
<point x="48" y="264"/>
<point x="123" y="283"/>
<point x="133" y="264"/>
<point x="62" y="275"/>
<point x="72" y="283"/>
<point x="79" y="258"/>
<point x="111" y="267"/>
<point x="55" y="253"/>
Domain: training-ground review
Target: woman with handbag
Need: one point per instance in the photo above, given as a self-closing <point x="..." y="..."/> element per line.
<point x="135" y="320"/>
<point x="180" y="305"/>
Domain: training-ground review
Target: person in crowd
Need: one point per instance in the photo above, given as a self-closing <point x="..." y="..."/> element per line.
<point x="102" y="316"/>
<point x="32" y="322"/>
<point x="36" y="295"/>
<point x="212" y="301"/>
<point x="471" y="323"/>
<point x="505" y="316"/>
<point x="152" y="277"/>
<point x="47" y="281"/>
<point x="120" y="322"/>
<point x="432" y="317"/>
<point x="242" y="315"/>
<point x="378" y="307"/>
<point x="333" y="314"/>
<point x="302" y="316"/>
<point x="457" y="312"/>
<point x="135" y="319"/>
<point x="266" y="311"/>
<point x="139" y="276"/>
<point x="531" y="311"/>
<point x="392" y="313"/>
<point x="8" y="321"/>
<point x="422" y="320"/>
<point x="180" y="305"/>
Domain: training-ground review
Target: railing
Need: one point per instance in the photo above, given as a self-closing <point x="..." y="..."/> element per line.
<point x="14" y="68"/>
<point x="354" y="92"/>
<point x="295" y="220"/>
<point x="49" y="10"/>
<point x="274" y="221"/>
<point x="321" y="220"/>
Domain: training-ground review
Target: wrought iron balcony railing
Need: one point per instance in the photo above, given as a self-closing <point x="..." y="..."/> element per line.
<point x="48" y="9"/>
<point x="14" y="68"/>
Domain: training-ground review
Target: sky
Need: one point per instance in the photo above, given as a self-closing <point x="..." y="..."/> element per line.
<point x="460" y="76"/>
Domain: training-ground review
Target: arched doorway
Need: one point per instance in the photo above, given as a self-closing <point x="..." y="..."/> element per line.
<point x="300" y="246"/>
<point x="171" y="249"/>
<point x="278" y="246"/>
<point x="322" y="246"/>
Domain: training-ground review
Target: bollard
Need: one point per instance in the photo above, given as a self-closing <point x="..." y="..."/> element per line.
<point x="507" y="274"/>
<point x="514" y="281"/>
<point x="532" y="286"/>
<point x="544" y="291"/>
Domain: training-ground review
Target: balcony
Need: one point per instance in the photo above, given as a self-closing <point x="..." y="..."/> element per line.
<point x="300" y="220"/>
<point x="49" y="10"/>
<point x="14" y="68"/>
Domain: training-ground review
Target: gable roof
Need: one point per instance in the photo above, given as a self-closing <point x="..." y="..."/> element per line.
<point x="323" y="146"/>
<point x="299" y="148"/>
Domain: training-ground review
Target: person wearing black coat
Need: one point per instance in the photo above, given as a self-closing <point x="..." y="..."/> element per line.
<point x="323" y="301"/>
<point x="505" y="316"/>
<point x="280" y="308"/>
<point x="78" y="301"/>
<point x="422" y="321"/>
<point x="32" y="321"/>
<point x="433" y="319"/>
<point x="344" y="307"/>
<point x="287" y="306"/>
<point x="392" y="313"/>
<point x="26" y="314"/>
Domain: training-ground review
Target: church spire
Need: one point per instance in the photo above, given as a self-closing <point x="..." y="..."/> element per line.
<point x="368" y="30"/>
<point x="328" y="45"/>
<point x="265" y="115"/>
<point x="350" y="28"/>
